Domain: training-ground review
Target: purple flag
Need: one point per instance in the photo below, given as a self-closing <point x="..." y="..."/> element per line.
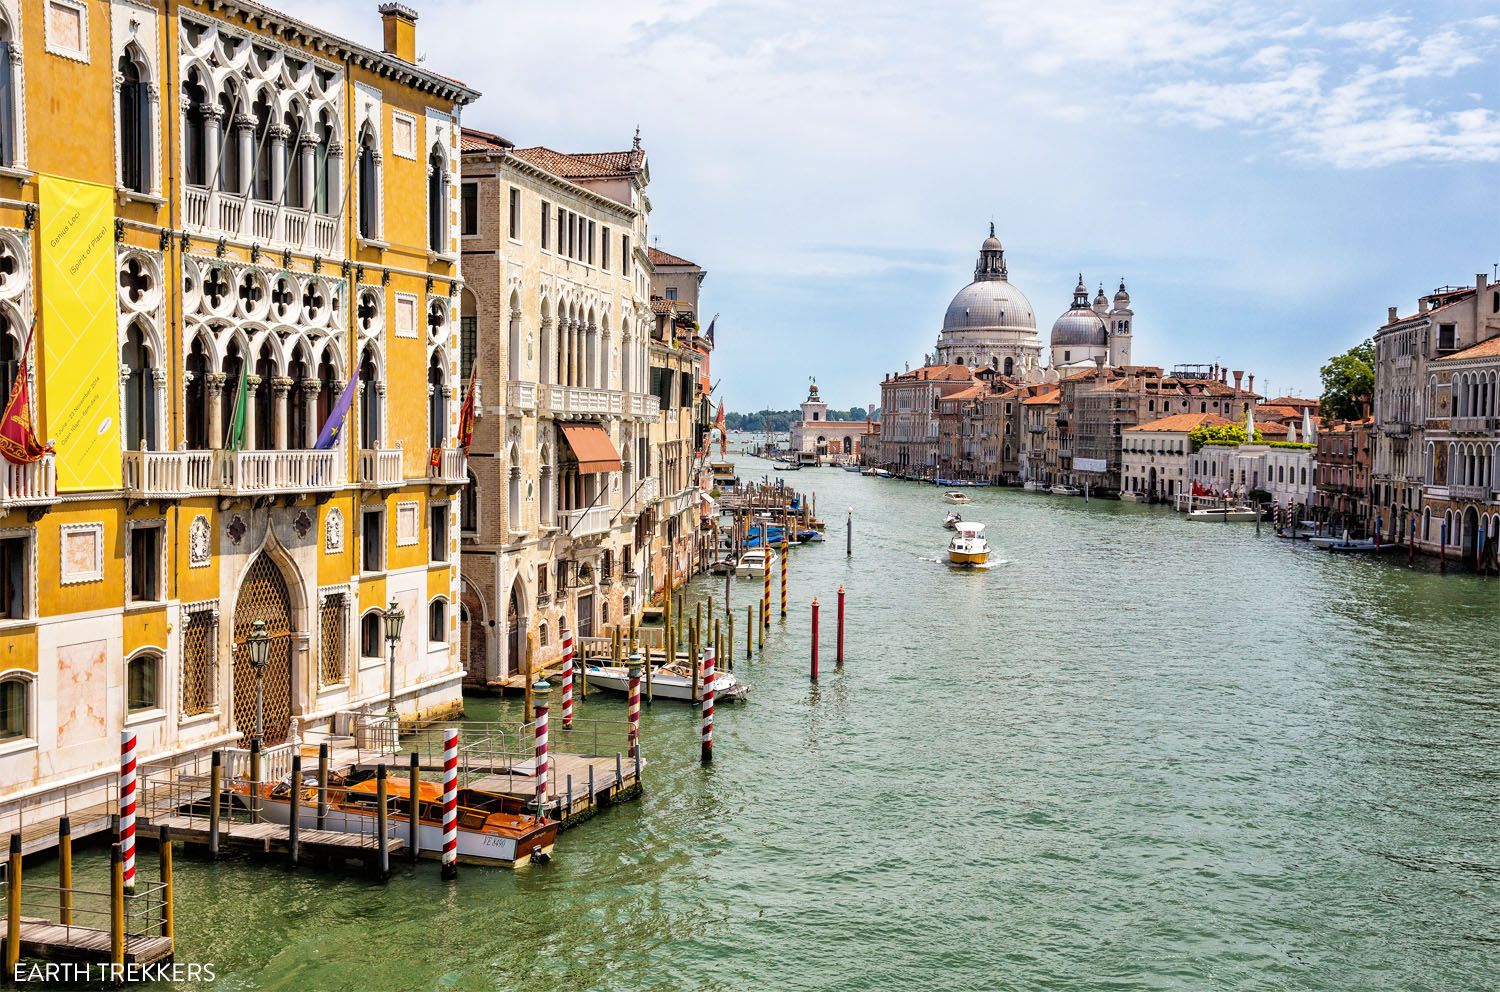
<point x="333" y="427"/>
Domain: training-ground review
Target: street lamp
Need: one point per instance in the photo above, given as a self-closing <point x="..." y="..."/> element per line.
<point x="258" y="644"/>
<point x="394" y="617"/>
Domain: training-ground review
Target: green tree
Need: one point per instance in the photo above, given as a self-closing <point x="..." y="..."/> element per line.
<point x="1349" y="382"/>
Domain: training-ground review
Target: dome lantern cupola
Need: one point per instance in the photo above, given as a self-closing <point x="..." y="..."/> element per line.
<point x="991" y="264"/>
<point x="1122" y="298"/>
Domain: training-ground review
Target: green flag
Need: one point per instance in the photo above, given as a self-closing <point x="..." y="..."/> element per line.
<point x="234" y="438"/>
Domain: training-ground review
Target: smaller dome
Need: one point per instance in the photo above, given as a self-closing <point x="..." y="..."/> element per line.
<point x="1100" y="301"/>
<point x="1122" y="298"/>
<point x="1080" y="327"/>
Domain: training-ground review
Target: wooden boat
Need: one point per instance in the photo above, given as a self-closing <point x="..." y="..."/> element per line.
<point x="721" y="566"/>
<point x="1061" y="490"/>
<point x="755" y="561"/>
<point x="493" y="828"/>
<point x="1219" y="514"/>
<point x="673" y="682"/>
<point x="1035" y="487"/>
<point x="952" y="520"/>
<point x="953" y="496"/>
<point x="968" y="546"/>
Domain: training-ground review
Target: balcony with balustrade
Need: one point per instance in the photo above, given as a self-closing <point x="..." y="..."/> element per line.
<point x="520" y="396"/>
<point x="275" y="473"/>
<point x="645" y="406"/>
<point x="581" y="400"/>
<point x="646" y="492"/>
<point x="379" y="468"/>
<point x="585" y="523"/>
<point x="273" y="226"/>
<point x="683" y="501"/>
<point x="1472" y="425"/>
<point x="448" y="467"/>
<point x="1474" y="493"/>
<point x="169" y="474"/>
<point x="28" y="485"/>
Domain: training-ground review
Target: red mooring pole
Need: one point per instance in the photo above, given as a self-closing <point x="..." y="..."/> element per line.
<point x="839" y="654"/>
<point x="815" y="639"/>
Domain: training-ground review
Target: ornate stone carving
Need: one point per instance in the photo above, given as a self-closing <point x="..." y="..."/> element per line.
<point x="200" y="542"/>
<point x="333" y="531"/>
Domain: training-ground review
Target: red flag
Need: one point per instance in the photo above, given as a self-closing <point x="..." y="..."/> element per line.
<point x="466" y="418"/>
<point x="18" y="440"/>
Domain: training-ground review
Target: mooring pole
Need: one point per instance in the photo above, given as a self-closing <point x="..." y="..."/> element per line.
<point x="323" y="757"/>
<point x="784" y="558"/>
<point x="633" y="712"/>
<point x="749" y="631"/>
<point x="116" y="904"/>
<point x="849" y="535"/>
<point x="294" y="812"/>
<point x="382" y="824"/>
<point x="707" y="753"/>
<point x="64" y="872"/>
<point x="215" y="797"/>
<point x="450" y="803"/>
<point x="414" y="800"/>
<point x="164" y="851"/>
<point x="839" y="652"/>
<point x="815" y="639"/>
<point x="13" y="903"/>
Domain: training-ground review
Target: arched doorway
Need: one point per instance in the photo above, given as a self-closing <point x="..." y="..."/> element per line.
<point x="263" y="596"/>
<point x="515" y="631"/>
<point x="1471" y="536"/>
<point x="471" y="642"/>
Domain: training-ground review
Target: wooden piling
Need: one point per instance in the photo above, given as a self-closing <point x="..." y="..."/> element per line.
<point x="839" y="651"/>
<point x="116" y="908"/>
<point x="693" y="656"/>
<point x="65" y="871"/>
<point x="815" y="639"/>
<point x="294" y="813"/>
<point x="530" y="660"/>
<point x="382" y="822"/>
<point x="164" y="851"/>
<point x="13" y="906"/>
<point x="414" y="800"/>
<point x="216" y="799"/>
<point x="749" y="632"/>
<point x="323" y="757"/>
<point x="730" y="653"/>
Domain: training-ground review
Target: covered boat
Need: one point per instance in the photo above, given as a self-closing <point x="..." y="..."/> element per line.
<point x="953" y="496"/>
<point x="968" y="546"/>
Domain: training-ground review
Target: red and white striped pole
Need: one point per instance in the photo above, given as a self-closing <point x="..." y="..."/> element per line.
<point x="708" y="704"/>
<point x="127" y="807"/>
<point x="450" y="803"/>
<point x="539" y="692"/>
<point x="567" y="678"/>
<point x="633" y="738"/>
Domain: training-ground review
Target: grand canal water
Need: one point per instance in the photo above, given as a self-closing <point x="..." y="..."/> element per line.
<point x="1137" y="753"/>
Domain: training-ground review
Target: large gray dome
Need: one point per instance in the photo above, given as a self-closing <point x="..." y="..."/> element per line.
<point x="1080" y="327"/>
<point x="989" y="303"/>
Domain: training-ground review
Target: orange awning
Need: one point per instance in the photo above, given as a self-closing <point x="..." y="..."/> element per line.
<point x="592" y="447"/>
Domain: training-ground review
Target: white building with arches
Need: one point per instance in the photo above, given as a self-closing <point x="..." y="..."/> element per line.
<point x="1461" y="496"/>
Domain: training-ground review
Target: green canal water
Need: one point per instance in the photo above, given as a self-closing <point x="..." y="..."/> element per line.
<point x="1136" y="753"/>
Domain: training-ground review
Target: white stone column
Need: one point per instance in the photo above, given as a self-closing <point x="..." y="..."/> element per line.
<point x="310" y="389"/>
<point x="279" y="134"/>
<point x="252" y="385"/>
<point x="306" y="165"/>
<point x="335" y="177"/>
<point x="211" y="138"/>
<point x="281" y="388"/>
<point x="244" y="136"/>
<point x="214" y="386"/>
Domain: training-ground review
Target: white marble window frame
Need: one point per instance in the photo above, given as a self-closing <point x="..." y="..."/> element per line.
<point x="95" y="574"/>
<point x="56" y="48"/>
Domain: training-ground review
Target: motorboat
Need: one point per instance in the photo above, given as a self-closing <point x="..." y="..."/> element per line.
<point x="953" y="496"/>
<point x="721" y="566"/>
<point x="673" y="682"/>
<point x="1221" y="514"/>
<point x="851" y="467"/>
<point x="1035" y="487"/>
<point x="968" y="546"/>
<point x="755" y="561"/>
<point x="1132" y="497"/>
<point x="1061" y="490"/>
<point x="952" y="519"/>
<point x="493" y="828"/>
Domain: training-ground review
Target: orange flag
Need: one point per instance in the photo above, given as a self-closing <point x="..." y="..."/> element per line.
<point x="18" y="440"/>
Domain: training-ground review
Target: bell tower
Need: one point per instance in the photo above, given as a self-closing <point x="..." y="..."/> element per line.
<point x="1120" y="319"/>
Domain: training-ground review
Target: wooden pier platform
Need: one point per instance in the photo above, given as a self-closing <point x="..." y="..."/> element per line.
<point x="40" y="836"/>
<point x="569" y="809"/>
<point x="44" y="940"/>
<point x="272" y="838"/>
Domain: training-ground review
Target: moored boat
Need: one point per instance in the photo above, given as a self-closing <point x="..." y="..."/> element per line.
<point x="1233" y="514"/>
<point x="493" y="828"/>
<point x="755" y="561"/>
<point x="968" y="546"/>
<point x="673" y="682"/>
<point x="1061" y="490"/>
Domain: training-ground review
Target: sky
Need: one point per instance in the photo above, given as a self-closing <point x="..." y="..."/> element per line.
<point x="1267" y="178"/>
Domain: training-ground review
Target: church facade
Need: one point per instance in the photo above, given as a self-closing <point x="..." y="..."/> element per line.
<point x="818" y="440"/>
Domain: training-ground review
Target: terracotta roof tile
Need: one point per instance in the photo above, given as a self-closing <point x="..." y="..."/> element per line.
<point x="1183" y="422"/>
<point x="474" y="140"/>
<point x="1049" y="398"/>
<point x="588" y="165"/>
<point x="1484" y="349"/>
<point x="659" y="257"/>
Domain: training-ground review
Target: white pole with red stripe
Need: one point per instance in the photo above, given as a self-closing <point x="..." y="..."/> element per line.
<point x="539" y="692"/>
<point x="450" y="803"/>
<point x="633" y="736"/>
<point x="708" y="703"/>
<point x="567" y="678"/>
<point x="127" y="807"/>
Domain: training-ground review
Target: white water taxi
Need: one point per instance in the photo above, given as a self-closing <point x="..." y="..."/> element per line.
<point x="755" y="561"/>
<point x="954" y="496"/>
<point x="968" y="546"/>
<point x="668" y="682"/>
<point x="1061" y="490"/>
<point x="1220" y="514"/>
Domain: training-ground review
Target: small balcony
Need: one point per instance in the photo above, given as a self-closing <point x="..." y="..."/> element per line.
<point x="685" y="500"/>
<point x="380" y="468"/>
<point x="1477" y="493"/>
<point x="34" y="484"/>
<point x="1472" y="425"/>
<point x="257" y="473"/>
<point x="645" y="406"/>
<point x="448" y="466"/>
<point x="520" y="396"/>
<point x="582" y="400"/>
<point x="169" y="474"/>
<point x="585" y="523"/>
<point x="270" y="225"/>
<point x="641" y="495"/>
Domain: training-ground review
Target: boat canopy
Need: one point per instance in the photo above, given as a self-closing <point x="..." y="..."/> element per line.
<point x="969" y="529"/>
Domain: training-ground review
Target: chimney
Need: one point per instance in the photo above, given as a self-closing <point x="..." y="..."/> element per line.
<point x="1238" y="375"/>
<point x="1251" y="385"/>
<point x="400" y="24"/>
<point x="1390" y="315"/>
<point x="1480" y="281"/>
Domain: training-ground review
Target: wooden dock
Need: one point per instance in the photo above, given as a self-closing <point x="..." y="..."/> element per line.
<point x="570" y="809"/>
<point x="44" y="940"/>
<point x="40" y="836"/>
<point x="273" y="838"/>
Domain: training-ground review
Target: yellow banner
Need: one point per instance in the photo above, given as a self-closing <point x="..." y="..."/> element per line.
<point x="80" y="374"/>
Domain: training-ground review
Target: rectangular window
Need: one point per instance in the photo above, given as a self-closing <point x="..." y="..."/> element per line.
<point x="515" y="213"/>
<point x="572" y="235"/>
<point x="671" y="292"/>
<point x="333" y="631"/>
<point x="15" y="577"/>
<point x="562" y="231"/>
<point x="470" y="213"/>
<point x="1447" y="334"/>
<point x="625" y="254"/>
<point x="200" y="637"/>
<point x="437" y="533"/>
<point x="591" y="242"/>
<point x="546" y="225"/>
<point x="145" y="564"/>
<point x="372" y="541"/>
<point x="686" y="395"/>
<point x="468" y="344"/>
<point x="604" y="249"/>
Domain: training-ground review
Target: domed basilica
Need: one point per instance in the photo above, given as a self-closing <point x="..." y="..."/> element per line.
<point x="991" y="324"/>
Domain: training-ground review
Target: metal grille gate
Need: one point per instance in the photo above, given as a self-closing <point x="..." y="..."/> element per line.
<point x="263" y="597"/>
